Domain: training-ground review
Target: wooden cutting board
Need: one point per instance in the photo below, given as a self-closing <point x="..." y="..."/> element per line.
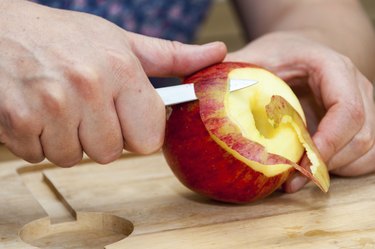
<point x="136" y="202"/>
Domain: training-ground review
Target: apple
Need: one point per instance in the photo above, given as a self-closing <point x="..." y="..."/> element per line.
<point x="240" y="146"/>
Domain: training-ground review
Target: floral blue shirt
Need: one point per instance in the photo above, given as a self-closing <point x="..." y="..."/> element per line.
<point x="168" y="19"/>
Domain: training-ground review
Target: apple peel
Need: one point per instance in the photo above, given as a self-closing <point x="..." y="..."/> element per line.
<point x="280" y="111"/>
<point x="212" y="97"/>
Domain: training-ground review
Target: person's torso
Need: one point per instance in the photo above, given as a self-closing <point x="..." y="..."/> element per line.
<point x="168" y="19"/>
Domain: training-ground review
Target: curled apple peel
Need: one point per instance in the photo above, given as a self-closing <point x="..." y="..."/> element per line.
<point x="280" y="111"/>
<point x="239" y="146"/>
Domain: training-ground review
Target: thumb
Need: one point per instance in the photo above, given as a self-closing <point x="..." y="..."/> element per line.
<point x="162" y="58"/>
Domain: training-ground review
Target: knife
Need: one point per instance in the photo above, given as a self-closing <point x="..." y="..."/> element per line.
<point x="172" y="95"/>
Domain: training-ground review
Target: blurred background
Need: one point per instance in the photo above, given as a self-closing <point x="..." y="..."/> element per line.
<point x="228" y="29"/>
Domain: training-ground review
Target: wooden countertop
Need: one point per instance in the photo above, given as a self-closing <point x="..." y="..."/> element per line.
<point x="136" y="202"/>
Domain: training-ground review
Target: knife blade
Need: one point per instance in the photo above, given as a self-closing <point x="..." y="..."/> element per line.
<point x="172" y="95"/>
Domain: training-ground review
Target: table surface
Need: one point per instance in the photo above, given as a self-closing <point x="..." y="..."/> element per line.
<point x="136" y="202"/>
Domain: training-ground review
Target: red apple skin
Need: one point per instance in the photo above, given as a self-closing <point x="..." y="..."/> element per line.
<point x="201" y="164"/>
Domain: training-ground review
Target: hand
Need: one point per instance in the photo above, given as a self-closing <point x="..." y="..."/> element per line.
<point x="73" y="83"/>
<point x="345" y="135"/>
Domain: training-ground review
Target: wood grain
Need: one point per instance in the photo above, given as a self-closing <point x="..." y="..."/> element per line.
<point x="143" y="191"/>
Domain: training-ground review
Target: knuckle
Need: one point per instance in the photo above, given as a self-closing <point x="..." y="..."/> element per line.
<point x="149" y="137"/>
<point x="85" y="81"/>
<point x="175" y="45"/>
<point x="123" y="64"/>
<point x="325" y="144"/>
<point x="27" y="153"/>
<point x="153" y="144"/>
<point x="109" y="149"/>
<point x="126" y="70"/>
<point x="369" y="87"/>
<point x="175" y="48"/>
<point x="365" y="140"/>
<point x="107" y="157"/>
<point x="332" y="164"/>
<point x="66" y="161"/>
<point x="344" y="171"/>
<point x="330" y="142"/>
<point x="344" y="64"/>
<point x="118" y="60"/>
<point x="347" y="61"/>
<point x="356" y="111"/>
<point x="18" y="121"/>
<point x="33" y="158"/>
<point x="53" y="99"/>
<point x="353" y="170"/>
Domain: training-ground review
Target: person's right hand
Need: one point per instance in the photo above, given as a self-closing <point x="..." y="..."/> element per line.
<point x="73" y="83"/>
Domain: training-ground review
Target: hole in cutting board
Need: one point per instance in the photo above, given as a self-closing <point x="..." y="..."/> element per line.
<point x="64" y="227"/>
<point x="90" y="230"/>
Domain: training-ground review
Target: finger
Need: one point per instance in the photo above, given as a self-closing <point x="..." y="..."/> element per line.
<point x="342" y="99"/>
<point x="142" y="115"/>
<point x="356" y="148"/>
<point x="100" y="132"/>
<point x="20" y="129"/>
<point x="27" y="148"/>
<point x="61" y="144"/>
<point x="364" y="140"/>
<point x="174" y="58"/>
<point x="361" y="166"/>
<point x="57" y="137"/>
<point x="296" y="181"/>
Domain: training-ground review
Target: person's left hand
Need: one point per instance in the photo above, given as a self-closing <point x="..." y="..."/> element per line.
<point x="337" y="99"/>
